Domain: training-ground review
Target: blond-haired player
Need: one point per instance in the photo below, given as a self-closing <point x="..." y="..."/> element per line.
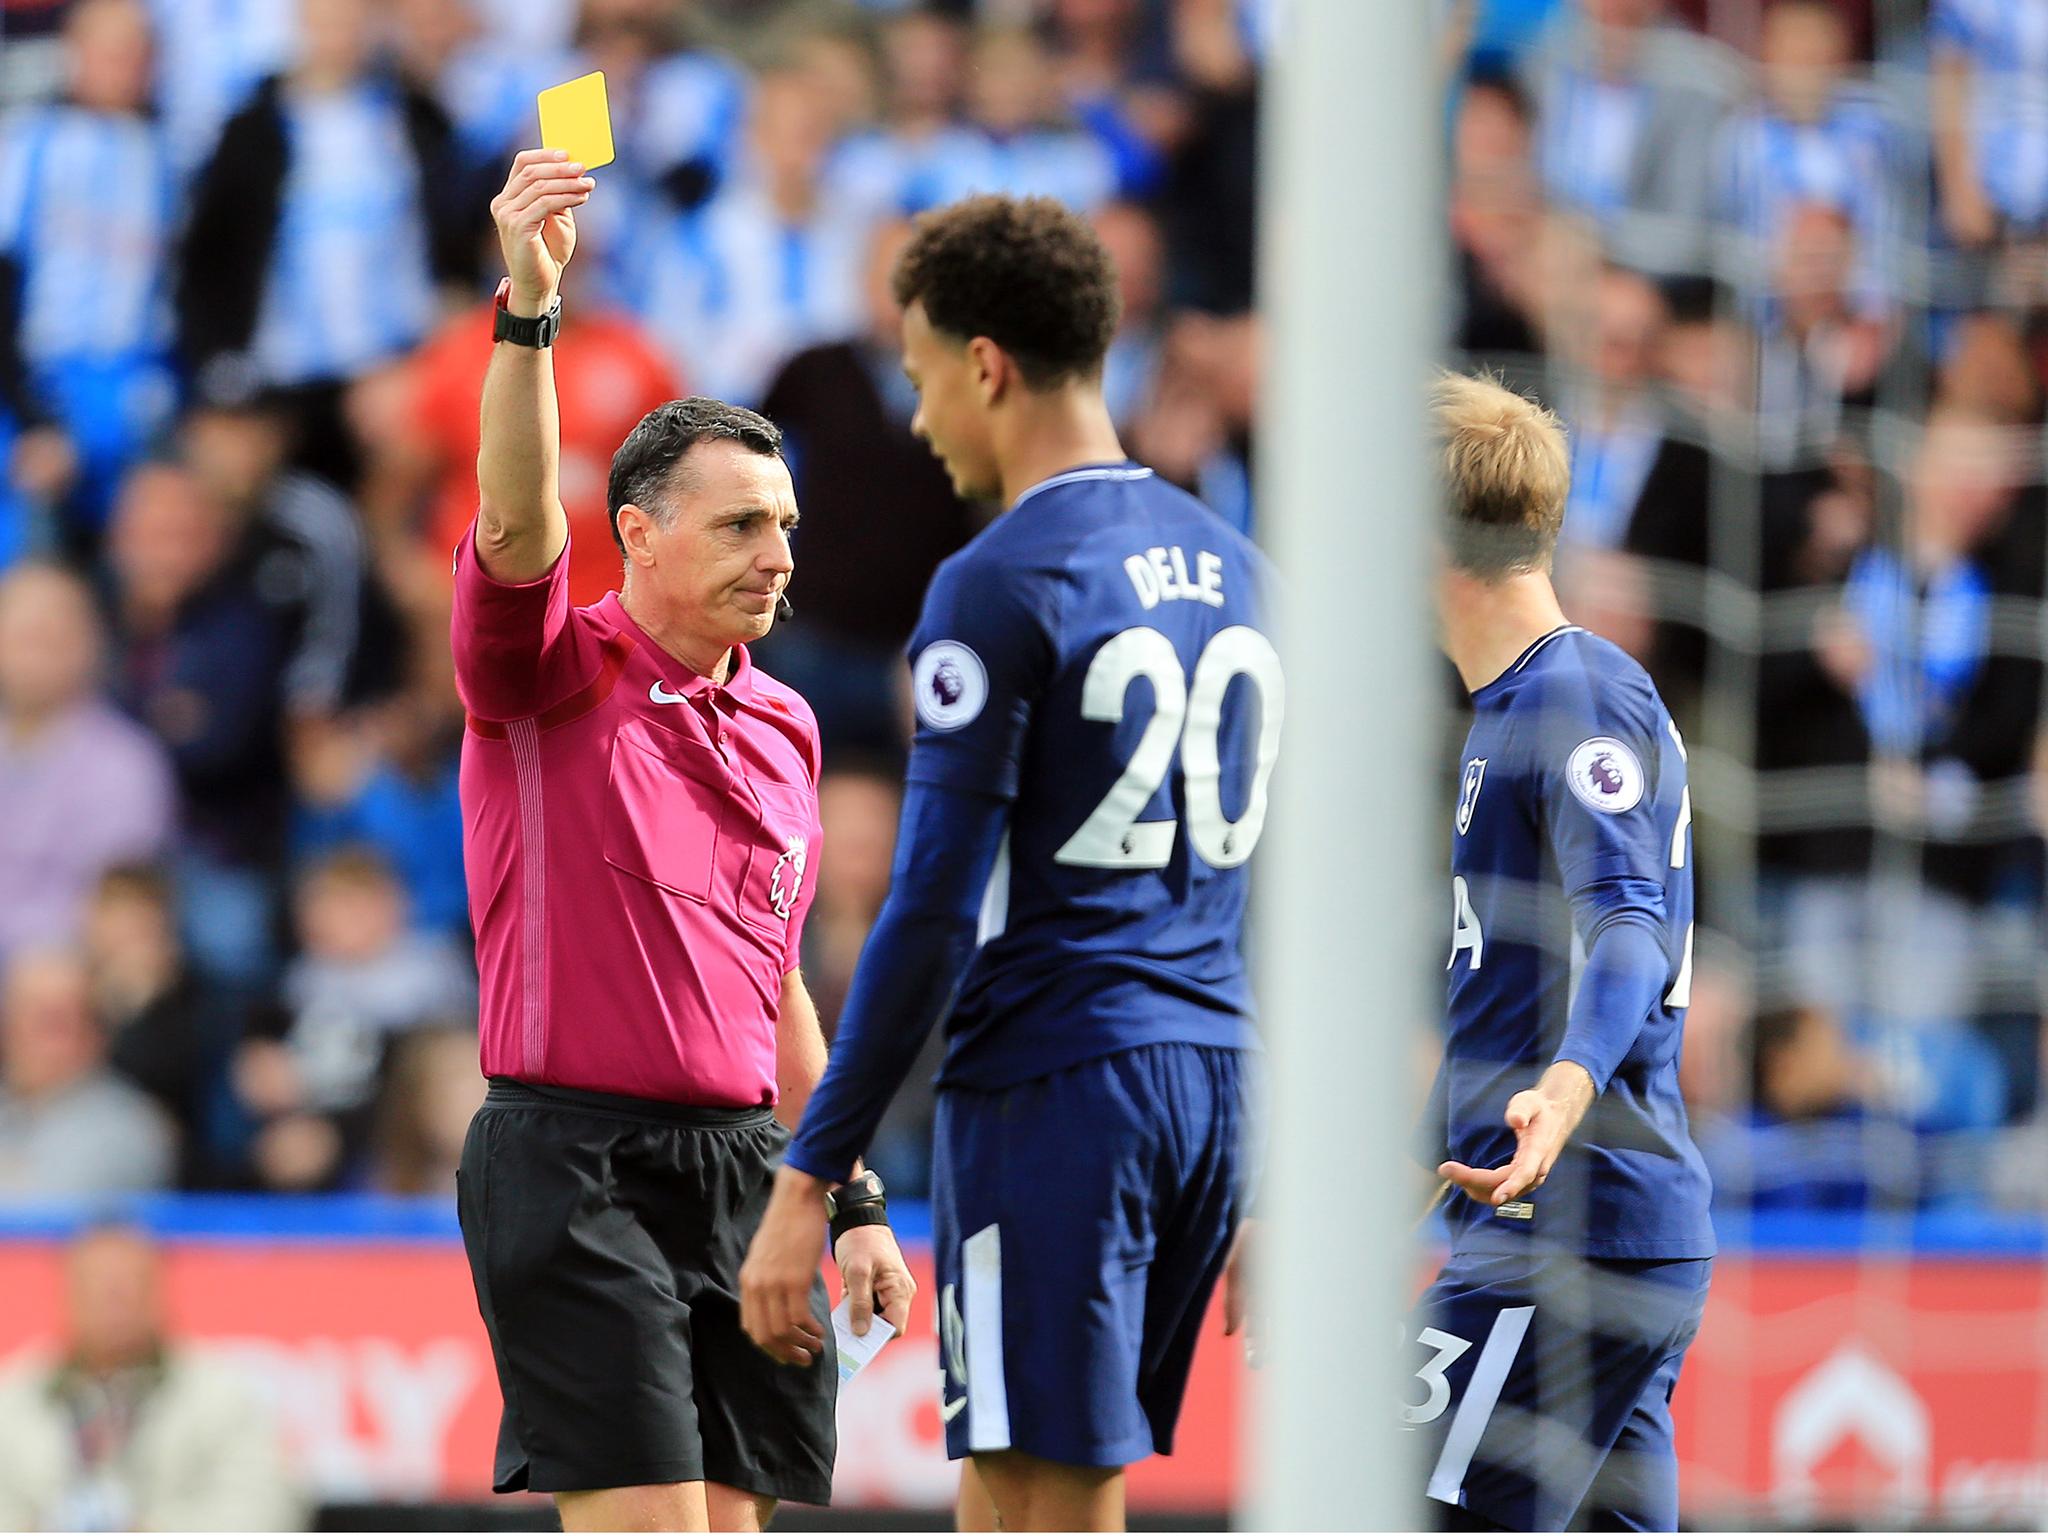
<point x="1545" y="1353"/>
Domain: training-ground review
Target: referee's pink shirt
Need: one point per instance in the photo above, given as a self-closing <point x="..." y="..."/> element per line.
<point x="640" y="846"/>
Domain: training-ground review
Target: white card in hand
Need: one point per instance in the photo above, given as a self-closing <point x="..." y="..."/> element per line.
<point x="856" y="1350"/>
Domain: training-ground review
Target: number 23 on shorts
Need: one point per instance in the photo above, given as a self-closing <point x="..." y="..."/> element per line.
<point x="1489" y="1374"/>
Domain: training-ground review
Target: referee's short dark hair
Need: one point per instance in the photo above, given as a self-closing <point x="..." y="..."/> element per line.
<point x="646" y="462"/>
<point x="1026" y="272"/>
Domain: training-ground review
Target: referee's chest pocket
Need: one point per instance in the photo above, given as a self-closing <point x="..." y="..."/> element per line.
<point x="663" y="808"/>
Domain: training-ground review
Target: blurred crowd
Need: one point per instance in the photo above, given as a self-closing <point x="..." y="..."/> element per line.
<point x="1781" y="265"/>
<point x="245" y="273"/>
<point x="1782" y="268"/>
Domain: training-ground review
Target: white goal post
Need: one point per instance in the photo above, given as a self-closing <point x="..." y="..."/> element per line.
<point x="1350" y="289"/>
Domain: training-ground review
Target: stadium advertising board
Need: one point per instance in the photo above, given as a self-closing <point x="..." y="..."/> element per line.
<point x="377" y="1368"/>
<point x="1820" y="1388"/>
<point x="1912" y="1391"/>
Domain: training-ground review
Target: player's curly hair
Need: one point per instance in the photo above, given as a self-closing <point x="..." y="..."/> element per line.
<point x="1027" y="273"/>
<point x="646" y="461"/>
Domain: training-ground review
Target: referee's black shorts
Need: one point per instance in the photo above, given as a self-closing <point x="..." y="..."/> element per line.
<point x="605" y="1236"/>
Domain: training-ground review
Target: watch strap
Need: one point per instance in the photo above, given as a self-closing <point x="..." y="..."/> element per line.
<point x="525" y="330"/>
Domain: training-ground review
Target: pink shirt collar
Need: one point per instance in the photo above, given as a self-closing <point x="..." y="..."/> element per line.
<point x="739" y="682"/>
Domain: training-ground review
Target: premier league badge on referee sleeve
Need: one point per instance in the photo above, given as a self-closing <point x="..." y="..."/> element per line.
<point x="1606" y="775"/>
<point x="786" y="879"/>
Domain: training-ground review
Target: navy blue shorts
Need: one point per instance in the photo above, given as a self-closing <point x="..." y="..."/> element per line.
<point x="1080" y="1221"/>
<point x="1543" y="1383"/>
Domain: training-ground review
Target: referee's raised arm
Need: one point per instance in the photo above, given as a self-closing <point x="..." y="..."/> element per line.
<point x="521" y="528"/>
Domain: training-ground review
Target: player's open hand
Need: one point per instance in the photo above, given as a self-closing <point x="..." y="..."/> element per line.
<point x="782" y="1261"/>
<point x="872" y="1270"/>
<point x="536" y="229"/>
<point x="1543" y="1119"/>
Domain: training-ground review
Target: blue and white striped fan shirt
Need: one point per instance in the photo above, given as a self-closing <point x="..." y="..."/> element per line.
<point x="1588" y="142"/>
<point x="87" y="205"/>
<point x="210" y="54"/>
<point x="731" y="291"/>
<point x="688" y="108"/>
<point x="488" y="91"/>
<point x="350" y="283"/>
<point x="1848" y="161"/>
<point x="2006" y="43"/>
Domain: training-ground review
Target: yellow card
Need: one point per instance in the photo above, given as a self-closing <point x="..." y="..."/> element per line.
<point x="576" y="117"/>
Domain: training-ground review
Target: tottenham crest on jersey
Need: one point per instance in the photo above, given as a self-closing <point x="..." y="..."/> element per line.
<point x="786" y="880"/>
<point x="1606" y="775"/>
<point x="1468" y="793"/>
<point x="950" y="685"/>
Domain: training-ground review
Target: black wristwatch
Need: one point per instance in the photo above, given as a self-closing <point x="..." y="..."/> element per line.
<point x="859" y="1202"/>
<point x="525" y="330"/>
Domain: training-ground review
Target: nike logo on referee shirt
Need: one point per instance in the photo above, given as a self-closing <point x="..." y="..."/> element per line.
<point x="660" y="694"/>
<point x="951" y="1411"/>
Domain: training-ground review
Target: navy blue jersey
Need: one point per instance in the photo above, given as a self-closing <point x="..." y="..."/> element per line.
<point x="1096" y="658"/>
<point x="1572" y="786"/>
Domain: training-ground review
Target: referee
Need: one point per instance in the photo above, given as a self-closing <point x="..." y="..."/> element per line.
<point x="640" y="832"/>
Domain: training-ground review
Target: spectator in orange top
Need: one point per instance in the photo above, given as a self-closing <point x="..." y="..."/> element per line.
<point x="423" y="420"/>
